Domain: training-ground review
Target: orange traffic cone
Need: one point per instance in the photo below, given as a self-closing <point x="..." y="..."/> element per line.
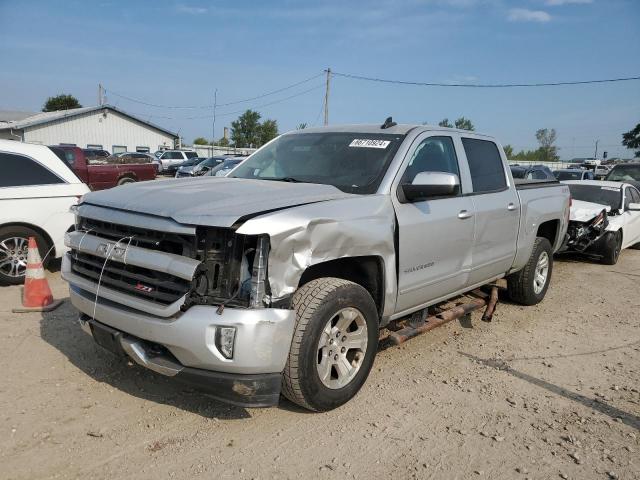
<point x="36" y="296"/>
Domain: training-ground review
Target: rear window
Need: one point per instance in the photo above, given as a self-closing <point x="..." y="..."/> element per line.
<point x="21" y="171"/>
<point x="569" y="175"/>
<point x="67" y="156"/>
<point x="487" y="172"/>
<point x="624" y="173"/>
<point x="191" y="154"/>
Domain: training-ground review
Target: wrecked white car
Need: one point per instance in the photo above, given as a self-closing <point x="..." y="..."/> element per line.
<point x="604" y="219"/>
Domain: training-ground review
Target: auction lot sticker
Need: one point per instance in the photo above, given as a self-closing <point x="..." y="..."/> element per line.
<point x="369" y="143"/>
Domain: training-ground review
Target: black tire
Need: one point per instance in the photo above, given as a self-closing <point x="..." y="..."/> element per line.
<point x="520" y="285"/>
<point x="635" y="246"/>
<point x="125" y="180"/>
<point x="317" y="303"/>
<point x="6" y="233"/>
<point x="611" y="247"/>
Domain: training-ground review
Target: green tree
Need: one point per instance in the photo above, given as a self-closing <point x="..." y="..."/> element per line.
<point x="61" y="102"/>
<point x="631" y="139"/>
<point x="445" y="123"/>
<point x="508" y="151"/>
<point x="464" y="124"/>
<point x="200" y="141"/>
<point x="223" y="142"/>
<point x="268" y="131"/>
<point x="547" y="152"/>
<point x="245" y="131"/>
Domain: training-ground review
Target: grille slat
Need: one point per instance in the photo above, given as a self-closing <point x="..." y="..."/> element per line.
<point x="144" y="283"/>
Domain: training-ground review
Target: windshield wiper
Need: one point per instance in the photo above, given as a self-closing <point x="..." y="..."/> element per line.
<point x="284" y="179"/>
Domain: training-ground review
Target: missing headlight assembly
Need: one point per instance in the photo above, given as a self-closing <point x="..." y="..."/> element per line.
<point x="582" y="235"/>
<point x="233" y="271"/>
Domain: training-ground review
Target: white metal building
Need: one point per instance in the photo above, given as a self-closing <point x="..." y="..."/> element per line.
<point x="103" y="127"/>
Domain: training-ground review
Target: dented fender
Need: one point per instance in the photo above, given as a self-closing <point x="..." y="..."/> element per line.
<point x="310" y="234"/>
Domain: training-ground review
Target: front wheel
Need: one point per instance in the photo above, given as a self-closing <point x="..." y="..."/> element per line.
<point x="529" y="285"/>
<point x="334" y="344"/>
<point x="611" y="247"/>
<point x="14" y="243"/>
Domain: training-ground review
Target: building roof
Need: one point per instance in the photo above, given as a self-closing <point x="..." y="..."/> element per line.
<point x="12" y="116"/>
<point x="31" y="120"/>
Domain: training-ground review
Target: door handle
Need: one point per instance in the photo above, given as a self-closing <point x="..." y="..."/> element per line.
<point x="511" y="207"/>
<point x="464" y="215"/>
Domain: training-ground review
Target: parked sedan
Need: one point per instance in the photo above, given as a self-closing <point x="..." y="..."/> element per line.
<point x="604" y="218"/>
<point x="573" y="174"/>
<point x="532" y="172"/>
<point x="191" y="168"/>
<point x="223" y="169"/>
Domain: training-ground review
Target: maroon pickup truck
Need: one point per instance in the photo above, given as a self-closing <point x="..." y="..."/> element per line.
<point x="100" y="173"/>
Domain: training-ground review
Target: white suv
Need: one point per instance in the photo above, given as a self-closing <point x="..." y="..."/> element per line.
<point x="174" y="157"/>
<point x="36" y="191"/>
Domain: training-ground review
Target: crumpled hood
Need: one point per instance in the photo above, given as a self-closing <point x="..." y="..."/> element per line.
<point x="211" y="201"/>
<point x="585" y="211"/>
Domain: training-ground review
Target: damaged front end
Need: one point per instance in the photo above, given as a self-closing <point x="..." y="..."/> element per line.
<point x="583" y="235"/>
<point x="232" y="272"/>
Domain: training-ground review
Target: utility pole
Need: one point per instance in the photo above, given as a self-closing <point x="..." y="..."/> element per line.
<point x="326" y="97"/>
<point x="595" y="155"/>
<point x="213" y="127"/>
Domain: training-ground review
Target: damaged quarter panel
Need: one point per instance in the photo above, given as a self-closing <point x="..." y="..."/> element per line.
<point x="307" y="235"/>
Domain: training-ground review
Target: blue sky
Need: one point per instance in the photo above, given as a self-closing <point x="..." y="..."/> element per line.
<point x="178" y="52"/>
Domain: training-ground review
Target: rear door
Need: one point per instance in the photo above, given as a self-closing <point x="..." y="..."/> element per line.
<point x="497" y="210"/>
<point x="435" y="236"/>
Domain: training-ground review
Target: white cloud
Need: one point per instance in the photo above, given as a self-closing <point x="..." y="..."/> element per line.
<point x="181" y="8"/>
<point x="525" y="15"/>
<point x="556" y="3"/>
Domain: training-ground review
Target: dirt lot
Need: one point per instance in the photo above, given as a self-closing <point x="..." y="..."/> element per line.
<point x="542" y="392"/>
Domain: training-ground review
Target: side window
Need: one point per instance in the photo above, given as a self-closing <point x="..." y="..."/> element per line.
<point x="21" y="171"/>
<point x="434" y="154"/>
<point x="627" y="197"/>
<point x="635" y="195"/>
<point x="539" y="175"/>
<point x="192" y="154"/>
<point x="487" y="172"/>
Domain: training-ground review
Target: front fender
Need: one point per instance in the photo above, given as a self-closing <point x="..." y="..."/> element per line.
<point x="311" y="234"/>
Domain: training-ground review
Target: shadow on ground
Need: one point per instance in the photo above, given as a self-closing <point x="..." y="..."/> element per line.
<point x="592" y="403"/>
<point x="60" y="329"/>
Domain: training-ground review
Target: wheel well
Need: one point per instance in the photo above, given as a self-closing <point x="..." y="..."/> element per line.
<point x="367" y="272"/>
<point x="42" y="232"/>
<point x="128" y="175"/>
<point x="549" y="230"/>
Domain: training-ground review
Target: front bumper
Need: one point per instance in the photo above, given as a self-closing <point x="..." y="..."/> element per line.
<point x="245" y="390"/>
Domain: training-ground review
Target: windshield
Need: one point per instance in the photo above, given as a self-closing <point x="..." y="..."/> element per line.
<point x="560" y="175"/>
<point x="624" y="173"/>
<point x="352" y="162"/>
<point x="611" y="196"/>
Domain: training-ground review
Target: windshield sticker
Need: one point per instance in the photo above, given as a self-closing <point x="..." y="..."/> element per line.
<point x="369" y="143"/>
<point x="611" y="189"/>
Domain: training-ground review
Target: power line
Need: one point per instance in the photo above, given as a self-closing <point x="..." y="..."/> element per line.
<point x="225" y="114"/>
<point x="156" y="105"/>
<point x="486" y="85"/>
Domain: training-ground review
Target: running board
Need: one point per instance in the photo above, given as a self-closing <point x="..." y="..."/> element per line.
<point x="421" y="322"/>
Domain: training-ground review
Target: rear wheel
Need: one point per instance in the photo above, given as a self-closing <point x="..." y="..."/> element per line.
<point x="13" y="253"/>
<point x="611" y="247"/>
<point x="125" y="180"/>
<point x="334" y="343"/>
<point x="529" y="285"/>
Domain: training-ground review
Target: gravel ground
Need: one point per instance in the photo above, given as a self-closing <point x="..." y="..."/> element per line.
<point x="542" y="392"/>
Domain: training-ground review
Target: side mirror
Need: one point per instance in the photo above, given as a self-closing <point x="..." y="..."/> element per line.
<point x="634" y="207"/>
<point x="429" y="185"/>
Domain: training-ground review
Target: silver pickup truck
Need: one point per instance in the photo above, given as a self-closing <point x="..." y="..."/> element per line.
<point x="277" y="278"/>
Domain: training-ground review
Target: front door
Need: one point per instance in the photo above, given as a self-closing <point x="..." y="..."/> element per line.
<point x="435" y="235"/>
